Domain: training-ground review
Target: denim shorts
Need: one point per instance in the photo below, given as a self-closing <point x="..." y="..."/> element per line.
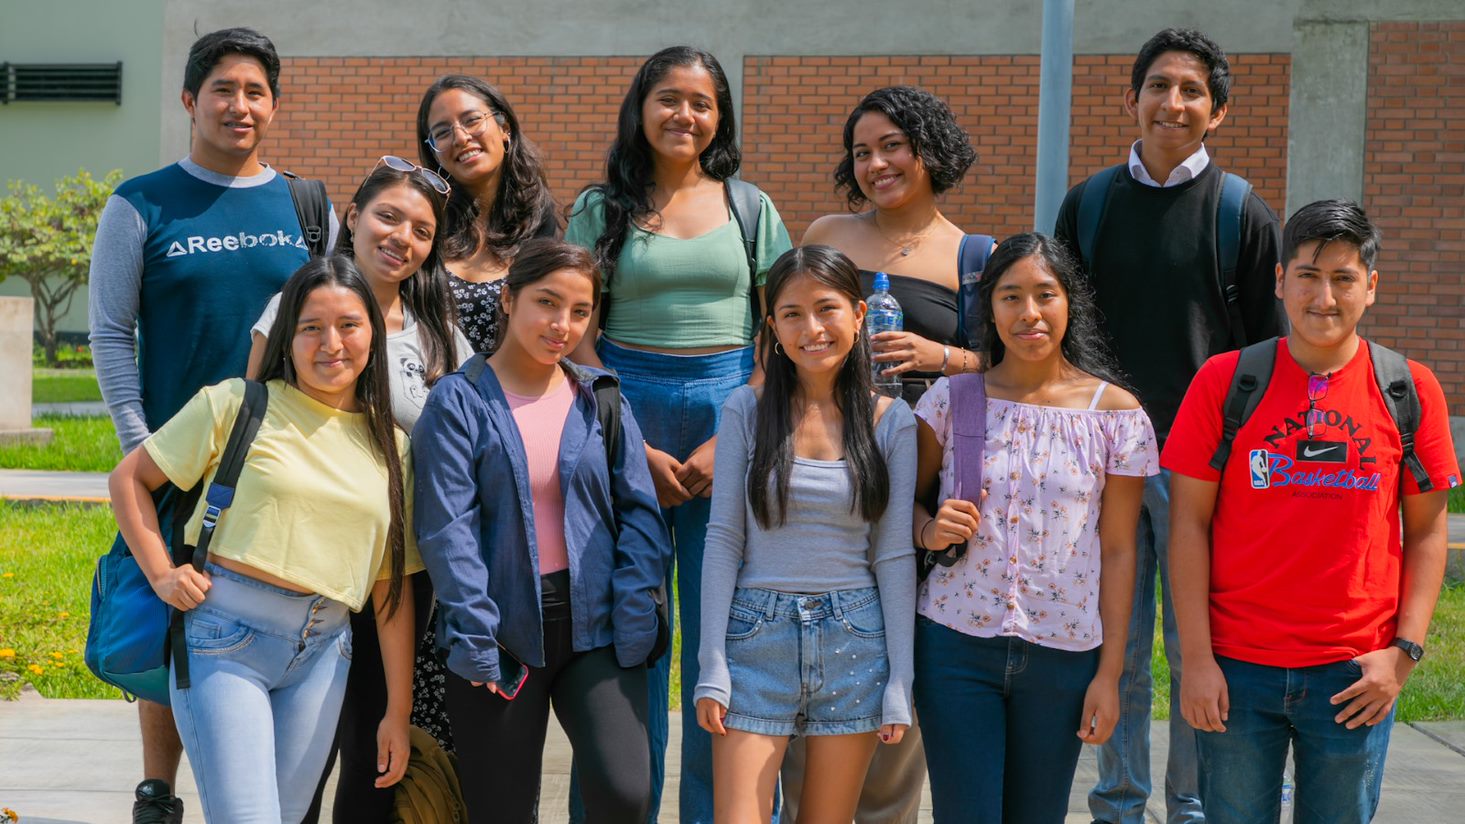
<point x="806" y="664"/>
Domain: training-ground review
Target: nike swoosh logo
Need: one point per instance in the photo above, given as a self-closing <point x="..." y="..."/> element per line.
<point x="1309" y="452"/>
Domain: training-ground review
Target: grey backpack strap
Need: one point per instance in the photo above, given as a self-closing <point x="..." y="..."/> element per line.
<point x="1396" y="384"/>
<point x="1091" y="207"/>
<point x="1234" y="191"/>
<point x="1248" y="385"/>
<point x="747" y="210"/>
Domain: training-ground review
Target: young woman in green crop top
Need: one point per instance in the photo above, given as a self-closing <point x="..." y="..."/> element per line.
<point x="677" y="322"/>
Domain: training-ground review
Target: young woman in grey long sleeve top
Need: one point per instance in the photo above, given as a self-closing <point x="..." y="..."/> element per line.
<point x="808" y="584"/>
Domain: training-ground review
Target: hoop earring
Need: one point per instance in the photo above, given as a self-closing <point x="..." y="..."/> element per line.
<point x="778" y="347"/>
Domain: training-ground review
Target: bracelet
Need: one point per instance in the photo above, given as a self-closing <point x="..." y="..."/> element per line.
<point x="922" y="534"/>
<point x="945" y="358"/>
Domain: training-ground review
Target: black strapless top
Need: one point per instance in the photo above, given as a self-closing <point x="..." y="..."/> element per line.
<point x="930" y="311"/>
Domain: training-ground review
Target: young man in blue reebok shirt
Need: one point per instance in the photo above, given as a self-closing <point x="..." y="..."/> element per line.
<point x="184" y="261"/>
<point x="1157" y="269"/>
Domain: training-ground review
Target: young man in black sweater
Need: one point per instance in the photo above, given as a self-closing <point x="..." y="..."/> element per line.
<point x="1155" y="242"/>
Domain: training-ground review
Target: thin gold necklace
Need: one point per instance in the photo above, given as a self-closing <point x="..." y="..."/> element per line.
<point x="910" y="243"/>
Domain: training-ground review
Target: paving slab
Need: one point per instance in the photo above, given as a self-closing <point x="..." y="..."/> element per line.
<point x="40" y="485"/>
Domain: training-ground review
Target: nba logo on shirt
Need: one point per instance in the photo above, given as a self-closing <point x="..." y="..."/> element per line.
<point x="1260" y="477"/>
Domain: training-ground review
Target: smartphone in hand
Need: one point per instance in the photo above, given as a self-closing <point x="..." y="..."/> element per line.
<point x="512" y="675"/>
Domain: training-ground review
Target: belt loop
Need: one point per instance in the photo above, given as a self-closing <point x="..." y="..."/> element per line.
<point x="770" y="604"/>
<point x="834" y="598"/>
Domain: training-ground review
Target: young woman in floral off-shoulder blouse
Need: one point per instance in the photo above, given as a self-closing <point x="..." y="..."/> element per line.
<point x="1020" y="642"/>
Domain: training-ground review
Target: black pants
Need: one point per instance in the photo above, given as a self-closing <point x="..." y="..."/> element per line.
<point x="602" y="707"/>
<point x="358" y="800"/>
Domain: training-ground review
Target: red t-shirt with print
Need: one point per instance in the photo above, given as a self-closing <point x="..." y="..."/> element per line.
<point x="1305" y="538"/>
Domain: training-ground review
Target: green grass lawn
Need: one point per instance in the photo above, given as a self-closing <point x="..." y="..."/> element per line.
<point x="78" y="445"/>
<point x="1457" y="500"/>
<point x="47" y="556"/>
<point x="64" y="386"/>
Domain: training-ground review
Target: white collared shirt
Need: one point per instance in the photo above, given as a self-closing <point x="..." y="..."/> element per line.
<point x="1189" y="169"/>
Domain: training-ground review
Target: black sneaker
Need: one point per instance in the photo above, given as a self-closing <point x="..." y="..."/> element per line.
<point x="156" y="804"/>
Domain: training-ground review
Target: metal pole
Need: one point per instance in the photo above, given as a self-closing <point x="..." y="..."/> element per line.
<point x="1054" y="96"/>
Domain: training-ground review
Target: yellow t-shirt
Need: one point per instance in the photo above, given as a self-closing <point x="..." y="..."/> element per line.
<point x="311" y="503"/>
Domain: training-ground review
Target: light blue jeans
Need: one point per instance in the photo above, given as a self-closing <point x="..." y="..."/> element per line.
<point x="268" y="669"/>
<point x="677" y="400"/>
<point x="1124" y="762"/>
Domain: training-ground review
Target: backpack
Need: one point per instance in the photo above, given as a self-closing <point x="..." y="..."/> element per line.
<point x="971" y="260"/>
<point x="968" y="414"/>
<point x="1390" y="372"/>
<point x="312" y="209"/>
<point x="747" y="209"/>
<point x="133" y="634"/>
<point x="607" y="391"/>
<point x="1234" y="193"/>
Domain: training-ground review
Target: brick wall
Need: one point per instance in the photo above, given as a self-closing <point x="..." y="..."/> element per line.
<point x="339" y="114"/>
<point x="794" y="109"/>
<point x="1414" y="187"/>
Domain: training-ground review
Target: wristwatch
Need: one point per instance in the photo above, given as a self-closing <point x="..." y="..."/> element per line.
<point x="1413" y="650"/>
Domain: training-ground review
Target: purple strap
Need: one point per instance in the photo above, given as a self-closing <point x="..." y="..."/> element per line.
<point x="968" y="433"/>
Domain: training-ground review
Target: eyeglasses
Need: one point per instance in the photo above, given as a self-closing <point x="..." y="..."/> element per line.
<point x="433" y="179"/>
<point x="440" y="139"/>
<point x="1317" y="389"/>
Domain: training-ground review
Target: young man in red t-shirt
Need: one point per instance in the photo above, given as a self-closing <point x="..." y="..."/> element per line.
<point x="1302" y="608"/>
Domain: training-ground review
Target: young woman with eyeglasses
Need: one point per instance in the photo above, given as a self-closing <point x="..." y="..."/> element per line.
<point x="678" y="320"/>
<point x="391" y="232"/>
<point x="467" y="130"/>
<point x="317" y="527"/>
<point x="1020" y="641"/>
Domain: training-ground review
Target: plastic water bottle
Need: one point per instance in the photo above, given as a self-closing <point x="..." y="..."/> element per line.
<point x="1287" y="790"/>
<point x="883" y="315"/>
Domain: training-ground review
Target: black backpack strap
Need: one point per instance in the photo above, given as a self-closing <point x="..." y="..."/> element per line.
<point x="1091" y="207"/>
<point x="1248" y="385"/>
<point x="1396" y="384"/>
<point x="971" y="261"/>
<point x="1234" y="191"/>
<point x="313" y="210"/>
<point x="219" y="498"/>
<point x="747" y="210"/>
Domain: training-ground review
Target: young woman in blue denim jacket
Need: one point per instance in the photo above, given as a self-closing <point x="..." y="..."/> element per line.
<point x="808" y="584"/>
<point x="544" y="555"/>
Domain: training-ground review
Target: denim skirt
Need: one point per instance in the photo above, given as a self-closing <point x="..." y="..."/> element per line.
<point x="806" y="664"/>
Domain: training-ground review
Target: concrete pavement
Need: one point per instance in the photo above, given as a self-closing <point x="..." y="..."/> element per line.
<point x="76" y="762"/>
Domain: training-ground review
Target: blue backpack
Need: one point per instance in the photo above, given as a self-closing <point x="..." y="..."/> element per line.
<point x="971" y="260"/>
<point x="1234" y="192"/>
<point x="133" y="634"/>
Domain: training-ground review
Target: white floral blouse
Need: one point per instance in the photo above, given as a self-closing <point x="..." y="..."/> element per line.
<point x="1032" y="569"/>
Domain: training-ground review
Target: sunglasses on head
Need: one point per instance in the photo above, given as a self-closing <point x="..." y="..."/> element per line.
<point x="433" y="179"/>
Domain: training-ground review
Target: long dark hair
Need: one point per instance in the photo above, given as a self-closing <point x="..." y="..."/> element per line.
<point x="626" y="192"/>
<point x="943" y="146"/>
<point x="523" y="205"/>
<point x="373" y="386"/>
<point x="425" y="292"/>
<point x="1084" y="345"/>
<point x="773" y="450"/>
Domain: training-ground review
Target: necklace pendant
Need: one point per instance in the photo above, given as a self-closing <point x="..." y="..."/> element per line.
<point x="905" y="251"/>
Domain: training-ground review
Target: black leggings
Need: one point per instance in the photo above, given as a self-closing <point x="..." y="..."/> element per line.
<point x="358" y="800"/>
<point x="603" y="709"/>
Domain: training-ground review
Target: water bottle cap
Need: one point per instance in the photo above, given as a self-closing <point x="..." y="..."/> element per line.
<point x="882" y="282"/>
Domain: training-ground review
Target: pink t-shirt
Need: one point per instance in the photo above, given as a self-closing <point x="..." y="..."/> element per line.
<point x="1032" y="569"/>
<point x="541" y="421"/>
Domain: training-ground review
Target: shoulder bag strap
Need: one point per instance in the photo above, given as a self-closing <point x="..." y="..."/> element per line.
<point x="1091" y="207"/>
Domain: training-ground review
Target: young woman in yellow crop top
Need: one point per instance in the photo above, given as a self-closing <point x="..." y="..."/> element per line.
<point x="677" y="321"/>
<point x="317" y="525"/>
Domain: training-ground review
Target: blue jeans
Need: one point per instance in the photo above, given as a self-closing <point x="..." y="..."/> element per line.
<point x="677" y="400"/>
<point x="1339" y="771"/>
<point x="268" y="669"/>
<point x="999" y="718"/>
<point x="1124" y="762"/>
